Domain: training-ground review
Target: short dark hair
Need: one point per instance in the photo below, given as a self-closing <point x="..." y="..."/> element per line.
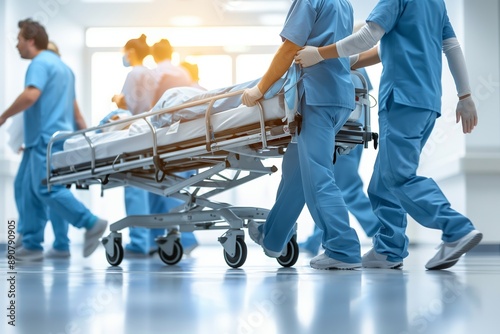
<point x="139" y="45"/>
<point x="33" y="30"/>
<point x="162" y="49"/>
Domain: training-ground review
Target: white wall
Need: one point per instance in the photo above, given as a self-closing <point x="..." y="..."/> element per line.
<point x="482" y="161"/>
<point x="8" y="162"/>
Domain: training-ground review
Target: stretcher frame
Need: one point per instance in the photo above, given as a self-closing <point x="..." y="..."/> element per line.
<point x="242" y="152"/>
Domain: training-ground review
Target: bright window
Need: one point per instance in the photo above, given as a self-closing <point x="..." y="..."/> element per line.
<point x="214" y="70"/>
<point x="252" y="66"/>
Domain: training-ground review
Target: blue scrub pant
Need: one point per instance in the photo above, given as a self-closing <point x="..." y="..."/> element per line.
<point x="35" y="202"/>
<point x="395" y="188"/>
<point x="350" y="184"/>
<point x="59" y="226"/>
<point x="161" y="204"/>
<point x="137" y="204"/>
<point x="308" y="175"/>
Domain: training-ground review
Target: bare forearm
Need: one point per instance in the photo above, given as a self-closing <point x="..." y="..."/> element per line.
<point x="25" y="100"/>
<point x="279" y="65"/>
<point x="329" y="51"/>
<point x="119" y="99"/>
<point x="79" y="120"/>
<point x="367" y="58"/>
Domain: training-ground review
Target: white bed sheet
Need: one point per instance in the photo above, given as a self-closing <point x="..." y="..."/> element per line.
<point x="112" y="144"/>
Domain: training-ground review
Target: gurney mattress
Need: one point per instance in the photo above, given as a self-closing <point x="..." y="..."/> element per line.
<point x="139" y="137"/>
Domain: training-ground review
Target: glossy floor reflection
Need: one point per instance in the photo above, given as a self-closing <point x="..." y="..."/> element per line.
<point x="203" y="295"/>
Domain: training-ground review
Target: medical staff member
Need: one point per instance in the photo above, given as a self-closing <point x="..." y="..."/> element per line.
<point x="326" y="99"/>
<point x="137" y="96"/>
<point x="47" y="101"/>
<point x="351" y="185"/>
<point x="412" y="36"/>
<point x="169" y="76"/>
<point x="60" y="247"/>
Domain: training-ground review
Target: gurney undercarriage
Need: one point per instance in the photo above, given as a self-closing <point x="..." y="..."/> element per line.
<point x="225" y="156"/>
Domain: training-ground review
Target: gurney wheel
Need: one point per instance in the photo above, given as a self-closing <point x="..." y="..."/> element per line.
<point x="173" y="258"/>
<point x="118" y="257"/>
<point x="292" y="253"/>
<point x="240" y="254"/>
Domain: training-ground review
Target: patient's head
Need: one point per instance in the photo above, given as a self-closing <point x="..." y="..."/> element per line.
<point x="192" y="70"/>
<point x="136" y="50"/>
<point x="162" y="50"/>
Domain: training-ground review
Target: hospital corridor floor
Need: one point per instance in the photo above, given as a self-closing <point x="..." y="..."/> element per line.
<point x="202" y="294"/>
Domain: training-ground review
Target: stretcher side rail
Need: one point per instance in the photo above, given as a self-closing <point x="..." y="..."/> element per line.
<point x="210" y="145"/>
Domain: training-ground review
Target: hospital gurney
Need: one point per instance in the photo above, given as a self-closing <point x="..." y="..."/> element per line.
<point x="226" y="147"/>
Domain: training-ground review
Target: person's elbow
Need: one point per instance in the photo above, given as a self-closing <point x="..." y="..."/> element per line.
<point x="31" y="95"/>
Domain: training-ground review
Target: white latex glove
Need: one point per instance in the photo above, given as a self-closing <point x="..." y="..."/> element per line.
<point x="250" y="96"/>
<point x="308" y="56"/>
<point x="466" y="111"/>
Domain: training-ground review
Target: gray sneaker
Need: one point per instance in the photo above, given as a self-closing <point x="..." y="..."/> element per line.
<point x="57" y="254"/>
<point x="92" y="236"/>
<point x="372" y="259"/>
<point x="19" y="241"/>
<point x="323" y="261"/>
<point x="258" y="238"/>
<point x="23" y="254"/>
<point x="450" y="252"/>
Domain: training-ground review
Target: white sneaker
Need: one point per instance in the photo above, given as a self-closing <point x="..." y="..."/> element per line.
<point x="92" y="236"/>
<point x="19" y="241"/>
<point x="258" y="238"/>
<point x="372" y="259"/>
<point x="23" y="254"/>
<point x="323" y="261"/>
<point x="57" y="254"/>
<point x="450" y="252"/>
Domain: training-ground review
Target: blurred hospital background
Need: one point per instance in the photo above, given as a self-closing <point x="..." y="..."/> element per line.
<point x="232" y="42"/>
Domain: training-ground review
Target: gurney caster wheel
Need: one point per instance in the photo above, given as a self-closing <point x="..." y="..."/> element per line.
<point x="292" y="254"/>
<point x="117" y="258"/>
<point x="173" y="258"/>
<point x="240" y="254"/>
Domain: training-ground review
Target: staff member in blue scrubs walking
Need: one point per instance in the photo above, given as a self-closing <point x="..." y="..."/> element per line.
<point x="413" y="35"/>
<point x="351" y="185"/>
<point x="48" y="102"/>
<point x="326" y="99"/>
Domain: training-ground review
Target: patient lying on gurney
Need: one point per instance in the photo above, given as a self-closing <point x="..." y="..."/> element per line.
<point x="176" y="96"/>
<point x="179" y="95"/>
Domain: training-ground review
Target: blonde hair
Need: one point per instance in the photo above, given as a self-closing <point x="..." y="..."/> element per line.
<point x="53" y="47"/>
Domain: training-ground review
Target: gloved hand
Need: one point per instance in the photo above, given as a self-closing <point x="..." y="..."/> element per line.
<point x="466" y="111"/>
<point x="250" y="96"/>
<point x="308" y="56"/>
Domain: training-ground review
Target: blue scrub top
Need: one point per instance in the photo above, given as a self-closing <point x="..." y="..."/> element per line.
<point x="54" y="109"/>
<point x="411" y="50"/>
<point x="319" y="23"/>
